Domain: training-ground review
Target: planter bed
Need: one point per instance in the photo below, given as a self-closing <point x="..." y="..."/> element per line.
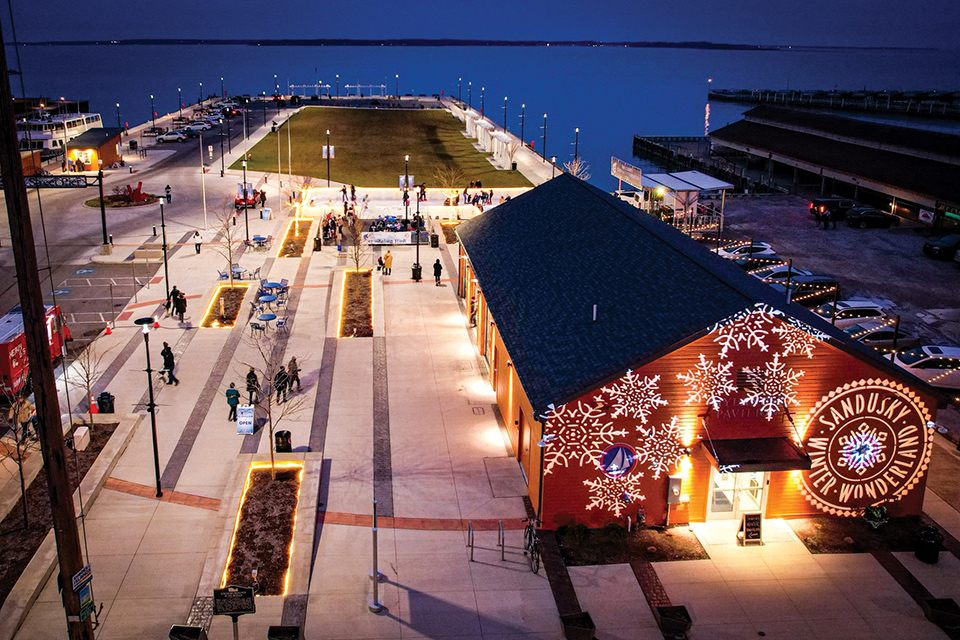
<point x="449" y="232"/>
<point x="225" y="316"/>
<point x="613" y="545"/>
<point x="295" y="240"/>
<point x="356" y="312"/>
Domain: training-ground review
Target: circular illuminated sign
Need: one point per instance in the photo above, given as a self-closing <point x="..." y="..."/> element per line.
<point x="618" y="460"/>
<point x="868" y="443"/>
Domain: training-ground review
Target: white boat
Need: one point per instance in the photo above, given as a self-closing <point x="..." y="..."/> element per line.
<point x="44" y="130"/>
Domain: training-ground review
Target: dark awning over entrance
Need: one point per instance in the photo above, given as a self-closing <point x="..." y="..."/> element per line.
<point x="757" y="454"/>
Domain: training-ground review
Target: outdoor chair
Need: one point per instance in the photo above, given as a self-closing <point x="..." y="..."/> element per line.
<point x="255" y="308"/>
<point x="255" y="274"/>
<point x="249" y="245"/>
<point x="284" y="287"/>
<point x="281" y="323"/>
<point x="256" y="326"/>
<point x="223" y="275"/>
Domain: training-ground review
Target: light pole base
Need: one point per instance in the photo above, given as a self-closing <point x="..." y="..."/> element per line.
<point x="380" y="576"/>
<point x="106" y="249"/>
<point x="374" y="606"/>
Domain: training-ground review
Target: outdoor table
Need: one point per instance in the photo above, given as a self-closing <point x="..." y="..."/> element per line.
<point x="267" y="318"/>
<point x="269" y="299"/>
<point x="272" y="285"/>
<point x="239" y="271"/>
<point x="260" y="242"/>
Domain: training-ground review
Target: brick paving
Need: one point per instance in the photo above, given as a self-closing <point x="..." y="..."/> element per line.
<point x="650" y="584"/>
<point x="176" y="497"/>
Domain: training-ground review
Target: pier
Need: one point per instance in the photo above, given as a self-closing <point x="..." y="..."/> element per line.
<point x="927" y="104"/>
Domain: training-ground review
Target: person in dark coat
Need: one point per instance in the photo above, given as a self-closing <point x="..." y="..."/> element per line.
<point x="437" y="271"/>
<point x="169" y="304"/>
<point x="293" y="373"/>
<point x="253" y="385"/>
<point x="280" y="381"/>
<point x="168" y="364"/>
<point x="263" y="198"/>
<point x="179" y="304"/>
<point x="233" y="399"/>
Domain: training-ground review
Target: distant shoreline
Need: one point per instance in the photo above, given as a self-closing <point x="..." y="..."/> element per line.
<point x="423" y="42"/>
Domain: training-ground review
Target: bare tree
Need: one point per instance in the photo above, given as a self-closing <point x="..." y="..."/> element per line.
<point x="357" y="252"/>
<point x="87" y="369"/>
<point x="267" y="358"/>
<point x="229" y="237"/>
<point x="298" y="187"/>
<point x="512" y="149"/>
<point x="578" y="168"/>
<point x="14" y="452"/>
<point x="450" y="180"/>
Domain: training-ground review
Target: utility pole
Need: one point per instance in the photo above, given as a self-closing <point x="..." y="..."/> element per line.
<point x="49" y="428"/>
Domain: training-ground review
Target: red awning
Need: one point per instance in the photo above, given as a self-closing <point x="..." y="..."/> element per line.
<point x="756" y="454"/>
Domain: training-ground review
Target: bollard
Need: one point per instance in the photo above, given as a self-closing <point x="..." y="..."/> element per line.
<point x="470" y="538"/>
<point x="110" y="238"/>
<point x="154" y="230"/>
<point x="375" y="605"/>
<point x="501" y="539"/>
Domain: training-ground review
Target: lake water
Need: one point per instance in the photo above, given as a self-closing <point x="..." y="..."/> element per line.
<point x="610" y="93"/>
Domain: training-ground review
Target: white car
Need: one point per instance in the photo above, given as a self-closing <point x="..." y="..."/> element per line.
<point x="851" y="312"/>
<point x="779" y="273"/>
<point x="630" y="197"/>
<point x="938" y="366"/>
<point x="171" y="136"/>
<point x="198" y="125"/>
<point x="743" y="250"/>
<point x="881" y="335"/>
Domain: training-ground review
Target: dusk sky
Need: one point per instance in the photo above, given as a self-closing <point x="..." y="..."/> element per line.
<point x="920" y="23"/>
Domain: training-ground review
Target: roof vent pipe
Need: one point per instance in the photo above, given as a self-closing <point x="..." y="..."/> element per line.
<point x="594" y="313"/>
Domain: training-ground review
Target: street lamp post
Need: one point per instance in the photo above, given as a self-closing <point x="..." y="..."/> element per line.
<point x="246" y="217"/>
<point x="338" y="85"/>
<point x="543" y="145"/>
<point x="263" y="104"/>
<point x="103" y="210"/>
<point x="328" y="157"/>
<point x="163" y="237"/>
<point x="151" y="405"/>
<point x="180" y="101"/>
<point x="470" y="94"/>
<point x="504" y="114"/>
<point x="222" y="168"/>
<point x="460" y="90"/>
<point x="119" y="126"/>
<point x="576" y="144"/>
<point x="482" y="89"/>
<point x="553" y="170"/>
<point x="523" y="107"/>
<point x="223" y="94"/>
<point x="200" y="95"/>
<point x="417" y="269"/>
<point x="153" y="112"/>
<point x="276" y="93"/>
<point x="229" y="140"/>
<point x="406" y="197"/>
<point x="276" y="128"/>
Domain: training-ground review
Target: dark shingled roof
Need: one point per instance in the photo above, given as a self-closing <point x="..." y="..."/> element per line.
<point x="870" y="133"/>
<point x="544" y="258"/>
<point x="93" y="138"/>
<point x="937" y="180"/>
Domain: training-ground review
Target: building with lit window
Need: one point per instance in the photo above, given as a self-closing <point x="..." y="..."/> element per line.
<point x="640" y="375"/>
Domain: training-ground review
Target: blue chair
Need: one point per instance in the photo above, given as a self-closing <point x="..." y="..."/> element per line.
<point x="281" y="324"/>
<point x="223" y="275"/>
<point x="256" y="326"/>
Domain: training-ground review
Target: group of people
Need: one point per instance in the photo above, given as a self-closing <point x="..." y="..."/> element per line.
<point x="825" y="218"/>
<point x="176" y="304"/>
<point x="283" y="382"/>
<point x="388" y="223"/>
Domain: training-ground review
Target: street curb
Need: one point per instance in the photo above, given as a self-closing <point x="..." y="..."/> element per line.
<point x="27" y="589"/>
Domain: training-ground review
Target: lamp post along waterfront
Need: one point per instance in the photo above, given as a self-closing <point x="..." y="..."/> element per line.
<point x="523" y="107"/>
<point x="289" y="155"/>
<point x="543" y="144"/>
<point x="153" y="112"/>
<point x="151" y="405"/>
<point x="328" y="157"/>
<point x="504" y="114"/>
<point x="576" y="144"/>
<point x="460" y="90"/>
<point x="482" y="91"/>
<point x="406" y="196"/>
<point x="263" y="105"/>
<point x="223" y="94"/>
<point x="163" y="239"/>
<point x="246" y="217"/>
<point x="203" y="184"/>
<point x="119" y="126"/>
<point x="397" y="76"/>
<point x="276" y="129"/>
<point x="180" y="102"/>
<point x="200" y="95"/>
<point x="470" y="95"/>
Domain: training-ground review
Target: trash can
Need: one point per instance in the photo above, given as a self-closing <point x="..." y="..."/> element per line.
<point x="929" y="541"/>
<point x="417" y="272"/>
<point x="283" y="442"/>
<point x="317" y="243"/>
<point x="105" y="402"/>
<point x="184" y="632"/>
<point x="434" y="241"/>
<point x="513" y="166"/>
<point x="285" y="632"/>
<point x="133" y="145"/>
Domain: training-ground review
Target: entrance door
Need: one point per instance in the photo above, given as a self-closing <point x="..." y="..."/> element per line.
<point x="733" y="493"/>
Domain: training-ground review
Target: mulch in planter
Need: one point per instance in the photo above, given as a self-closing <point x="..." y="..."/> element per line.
<point x="833" y="534"/>
<point x="18" y="544"/>
<point x="356" y="316"/>
<point x="262" y="540"/>
<point x="295" y="239"/>
<point x="613" y="545"/>
<point x="115" y="201"/>
<point x="449" y="232"/>
<point x="232" y="301"/>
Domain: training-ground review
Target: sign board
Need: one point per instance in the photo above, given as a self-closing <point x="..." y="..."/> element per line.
<point x="328" y="151"/>
<point x="82" y="577"/>
<point x="751" y="528"/>
<point x="83" y="272"/>
<point x="86" y="601"/>
<point x="210" y="151"/>
<point x="626" y="172"/>
<point x="233" y="601"/>
<point x="245" y="421"/>
<point x="409" y="182"/>
<point x="386" y="237"/>
<point x="926" y="216"/>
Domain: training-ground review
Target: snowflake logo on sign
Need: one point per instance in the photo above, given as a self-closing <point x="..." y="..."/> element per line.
<point x="771" y="387"/>
<point x="708" y="382"/>
<point x="614" y="494"/>
<point x="862" y="448"/>
<point x="579" y="435"/>
<point x="660" y="448"/>
<point x="633" y="396"/>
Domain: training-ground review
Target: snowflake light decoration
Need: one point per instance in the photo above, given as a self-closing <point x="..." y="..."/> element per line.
<point x="749" y="329"/>
<point x="614" y="494"/>
<point x="580" y="435"/>
<point x="633" y="396"/>
<point x="708" y="382"/>
<point x="796" y="340"/>
<point x="660" y="447"/>
<point x="862" y="449"/>
<point x="771" y="387"/>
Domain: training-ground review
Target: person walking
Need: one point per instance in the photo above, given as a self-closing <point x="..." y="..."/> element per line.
<point x="197" y="241"/>
<point x="233" y="399"/>
<point x="825" y="218"/>
<point x="280" y="382"/>
<point x="168" y="364"/>
<point x="253" y="386"/>
<point x="293" y="373"/>
<point x="22" y="412"/>
<point x="180" y="304"/>
<point x="818" y="216"/>
<point x="263" y="198"/>
<point x="437" y="271"/>
<point x="171" y="299"/>
<point x="387" y="263"/>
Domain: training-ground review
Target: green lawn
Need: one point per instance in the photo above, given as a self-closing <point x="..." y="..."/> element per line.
<point x="370" y="144"/>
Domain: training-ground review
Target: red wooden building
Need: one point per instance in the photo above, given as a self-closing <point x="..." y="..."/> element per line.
<point x="639" y="374"/>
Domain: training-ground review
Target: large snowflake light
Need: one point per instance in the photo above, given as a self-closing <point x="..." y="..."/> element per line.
<point x="660" y="447"/>
<point x="747" y="329"/>
<point x="614" y="494"/>
<point x="708" y="382"/>
<point x="795" y="340"/>
<point x="771" y="387"/>
<point x="633" y="396"/>
<point x="579" y="435"/>
<point x="862" y="449"/>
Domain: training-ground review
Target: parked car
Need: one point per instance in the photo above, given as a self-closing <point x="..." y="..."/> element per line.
<point x="880" y="336"/>
<point x="809" y="291"/>
<point x="864" y="217"/>
<point x="171" y="136"/>
<point x="937" y="365"/>
<point x="779" y="273"/>
<point x="850" y="312"/>
<point x="630" y="197"/>
<point x="745" y="250"/>
<point x="198" y="125"/>
<point x="212" y="120"/>
<point x="837" y="207"/>
<point x="190" y="133"/>
<point x="943" y="249"/>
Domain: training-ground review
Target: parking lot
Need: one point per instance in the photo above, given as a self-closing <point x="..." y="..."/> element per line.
<point x="885" y="265"/>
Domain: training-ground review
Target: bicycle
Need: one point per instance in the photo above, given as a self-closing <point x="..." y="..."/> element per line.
<point x="531" y="543"/>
